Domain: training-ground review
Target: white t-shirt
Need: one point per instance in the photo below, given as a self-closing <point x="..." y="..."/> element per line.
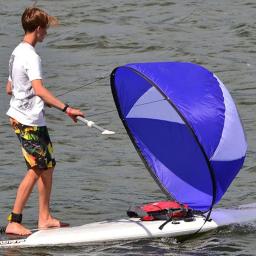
<point x="24" y="67"/>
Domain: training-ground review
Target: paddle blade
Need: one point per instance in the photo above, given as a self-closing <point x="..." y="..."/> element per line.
<point x="107" y="132"/>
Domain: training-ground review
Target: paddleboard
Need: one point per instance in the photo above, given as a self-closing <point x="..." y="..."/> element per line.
<point x="132" y="228"/>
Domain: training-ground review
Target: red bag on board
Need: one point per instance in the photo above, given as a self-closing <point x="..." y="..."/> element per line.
<point x="162" y="210"/>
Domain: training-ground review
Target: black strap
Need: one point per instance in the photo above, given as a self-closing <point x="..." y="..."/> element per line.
<point x="15" y="217"/>
<point x="166" y="222"/>
<point x="65" y="108"/>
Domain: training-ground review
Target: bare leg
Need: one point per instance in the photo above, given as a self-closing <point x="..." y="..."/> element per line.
<point x="23" y="193"/>
<point x="45" y="220"/>
<point x="44" y="192"/>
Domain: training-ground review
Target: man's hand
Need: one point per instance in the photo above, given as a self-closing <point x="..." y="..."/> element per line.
<point x="73" y="113"/>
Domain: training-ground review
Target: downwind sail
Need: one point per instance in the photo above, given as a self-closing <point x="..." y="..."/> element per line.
<point x="184" y="125"/>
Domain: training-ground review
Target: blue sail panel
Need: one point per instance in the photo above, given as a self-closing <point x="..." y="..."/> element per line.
<point x="128" y="91"/>
<point x="225" y="172"/>
<point x="175" y="159"/>
<point x="196" y="94"/>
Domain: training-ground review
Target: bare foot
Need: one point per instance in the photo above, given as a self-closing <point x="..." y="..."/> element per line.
<point x="17" y="229"/>
<point x="51" y="223"/>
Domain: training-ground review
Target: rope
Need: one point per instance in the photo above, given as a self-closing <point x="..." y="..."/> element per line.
<point x="79" y="87"/>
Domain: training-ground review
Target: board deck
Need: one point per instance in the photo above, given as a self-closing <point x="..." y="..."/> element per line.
<point x="132" y="228"/>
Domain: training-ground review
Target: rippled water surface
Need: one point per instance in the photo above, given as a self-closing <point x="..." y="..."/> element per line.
<point x="98" y="177"/>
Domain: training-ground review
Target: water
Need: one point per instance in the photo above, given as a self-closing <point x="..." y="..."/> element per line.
<point x="98" y="177"/>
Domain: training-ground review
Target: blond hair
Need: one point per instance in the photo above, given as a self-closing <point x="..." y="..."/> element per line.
<point x="34" y="17"/>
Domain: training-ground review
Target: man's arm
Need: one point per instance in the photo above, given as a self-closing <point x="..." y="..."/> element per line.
<point x="51" y="100"/>
<point x="46" y="95"/>
<point x="9" y="87"/>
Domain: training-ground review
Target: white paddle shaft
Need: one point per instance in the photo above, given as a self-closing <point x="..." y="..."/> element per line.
<point x="92" y="124"/>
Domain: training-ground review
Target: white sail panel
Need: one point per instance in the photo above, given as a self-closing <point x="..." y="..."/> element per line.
<point x="232" y="144"/>
<point x="149" y="104"/>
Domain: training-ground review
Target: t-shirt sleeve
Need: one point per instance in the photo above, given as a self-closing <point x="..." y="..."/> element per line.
<point x="34" y="68"/>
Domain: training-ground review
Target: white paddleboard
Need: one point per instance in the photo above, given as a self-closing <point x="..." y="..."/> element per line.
<point x="132" y="228"/>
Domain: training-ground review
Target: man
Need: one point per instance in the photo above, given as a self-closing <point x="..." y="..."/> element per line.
<point x="26" y="114"/>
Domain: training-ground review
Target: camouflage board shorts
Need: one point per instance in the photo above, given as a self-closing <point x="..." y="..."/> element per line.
<point x="36" y="145"/>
